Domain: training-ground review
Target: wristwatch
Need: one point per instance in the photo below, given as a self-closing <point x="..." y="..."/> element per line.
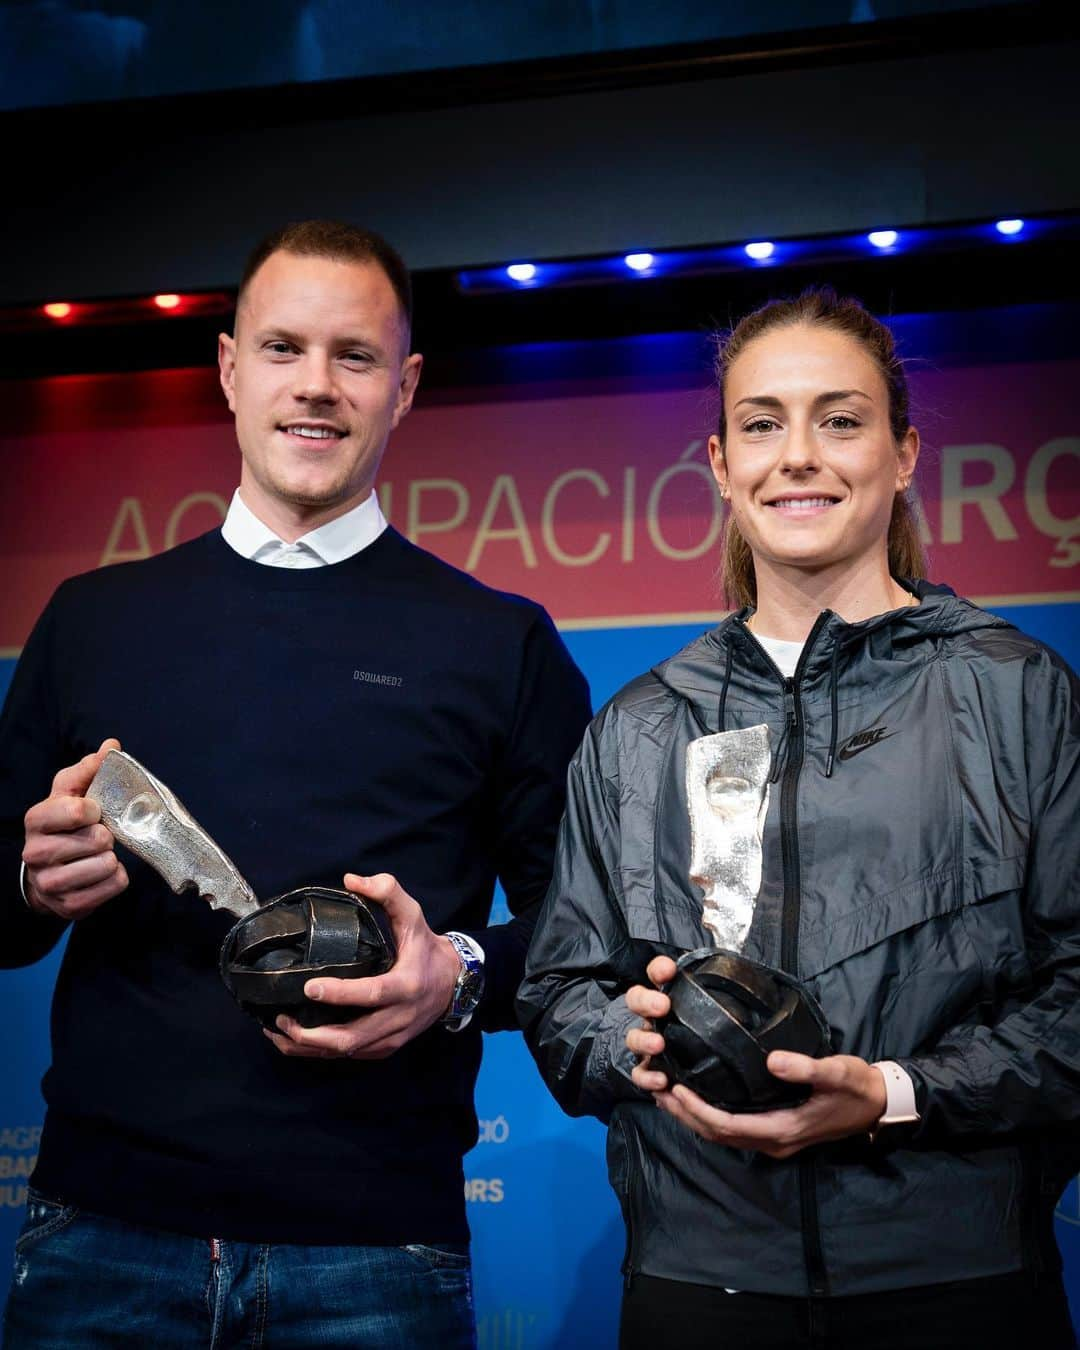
<point x="469" y="986"/>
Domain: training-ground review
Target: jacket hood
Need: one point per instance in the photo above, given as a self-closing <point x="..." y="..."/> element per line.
<point x="870" y="653"/>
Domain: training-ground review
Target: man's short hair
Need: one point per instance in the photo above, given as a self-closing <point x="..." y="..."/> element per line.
<point x="340" y="242"/>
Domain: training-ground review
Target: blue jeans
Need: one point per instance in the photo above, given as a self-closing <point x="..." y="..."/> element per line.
<point x="82" y="1282"/>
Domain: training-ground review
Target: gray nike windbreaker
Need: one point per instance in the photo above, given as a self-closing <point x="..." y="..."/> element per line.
<point x="921" y="873"/>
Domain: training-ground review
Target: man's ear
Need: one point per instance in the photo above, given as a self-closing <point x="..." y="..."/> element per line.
<point x="410" y="378"/>
<point x="226" y="359"/>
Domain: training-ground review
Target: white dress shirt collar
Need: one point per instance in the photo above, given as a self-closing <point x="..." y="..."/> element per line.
<point x="333" y="542"/>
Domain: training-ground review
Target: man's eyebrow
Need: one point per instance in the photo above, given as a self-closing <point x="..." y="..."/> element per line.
<point x="348" y="344"/>
<point x="274" y="333"/>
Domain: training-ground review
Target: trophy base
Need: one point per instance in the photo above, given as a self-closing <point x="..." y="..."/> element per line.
<point x="268" y="957"/>
<point x="727" y="1014"/>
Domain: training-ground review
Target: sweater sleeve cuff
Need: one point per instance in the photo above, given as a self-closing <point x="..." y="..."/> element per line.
<point x="28" y="933"/>
<point x="504" y="947"/>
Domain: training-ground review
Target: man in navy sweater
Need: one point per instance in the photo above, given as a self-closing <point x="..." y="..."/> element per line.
<point x="326" y="699"/>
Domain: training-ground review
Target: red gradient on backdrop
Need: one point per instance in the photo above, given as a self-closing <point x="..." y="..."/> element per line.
<point x="593" y="495"/>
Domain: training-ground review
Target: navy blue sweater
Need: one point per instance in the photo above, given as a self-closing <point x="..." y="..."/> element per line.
<point x="387" y="713"/>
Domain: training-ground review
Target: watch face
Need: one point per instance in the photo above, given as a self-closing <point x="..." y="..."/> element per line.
<point x="468" y="993"/>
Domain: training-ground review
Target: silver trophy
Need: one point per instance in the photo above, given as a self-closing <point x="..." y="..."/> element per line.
<point x="728" y="1012"/>
<point x="727" y="790"/>
<point x="274" y="948"/>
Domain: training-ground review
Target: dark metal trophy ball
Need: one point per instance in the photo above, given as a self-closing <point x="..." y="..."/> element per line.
<point x="274" y="948"/>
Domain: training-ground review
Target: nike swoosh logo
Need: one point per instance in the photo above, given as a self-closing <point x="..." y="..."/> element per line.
<point x="863" y="740"/>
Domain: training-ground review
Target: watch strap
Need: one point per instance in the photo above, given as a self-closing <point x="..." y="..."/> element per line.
<point x="469" y="987"/>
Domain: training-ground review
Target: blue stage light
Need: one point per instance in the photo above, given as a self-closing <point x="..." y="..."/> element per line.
<point x="715" y="259"/>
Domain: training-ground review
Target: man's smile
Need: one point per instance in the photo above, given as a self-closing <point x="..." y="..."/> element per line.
<point x="312" y="431"/>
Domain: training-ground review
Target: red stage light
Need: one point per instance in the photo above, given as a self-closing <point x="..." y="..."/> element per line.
<point x="167" y="301"/>
<point x="58" y="309"/>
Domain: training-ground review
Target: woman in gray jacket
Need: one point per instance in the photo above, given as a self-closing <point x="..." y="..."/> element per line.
<point x="919" y="874"/>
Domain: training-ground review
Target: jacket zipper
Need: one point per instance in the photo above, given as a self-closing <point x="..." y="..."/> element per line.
<point x="789" y="833"/>
<point x="795" y="737"/>
<point x="794" y="748"/>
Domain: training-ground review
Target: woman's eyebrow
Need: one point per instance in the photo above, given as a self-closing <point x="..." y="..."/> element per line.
<point x="829" y="396"/>
<point x="838" y="396"/>
<point x="761" y="401"/>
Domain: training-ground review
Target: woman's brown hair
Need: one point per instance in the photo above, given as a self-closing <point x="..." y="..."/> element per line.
<point x="842" y="314"/>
